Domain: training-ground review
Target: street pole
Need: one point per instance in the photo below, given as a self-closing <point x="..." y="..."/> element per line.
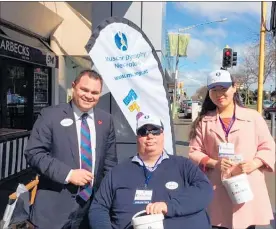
<point x="261" y="58"/>
<point x="177" y="58"/>
<point x="175" y="78"/>
<point x="200" y="24"/>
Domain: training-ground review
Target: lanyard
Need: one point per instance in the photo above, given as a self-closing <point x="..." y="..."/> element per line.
<point x="147" y="173"/>
<point x="227" y="130"/>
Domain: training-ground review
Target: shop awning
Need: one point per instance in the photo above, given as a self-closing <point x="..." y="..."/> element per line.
<point x="33" y="16"/>
<point x="25" y="39"/>
<point x="83" y="61"/>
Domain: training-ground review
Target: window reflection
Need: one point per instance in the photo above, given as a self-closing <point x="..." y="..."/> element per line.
<point x="16" y="86"/>
<point x="16" y="90"/>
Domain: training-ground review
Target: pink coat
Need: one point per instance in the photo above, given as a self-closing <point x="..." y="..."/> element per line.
<point x="251" y="137"/>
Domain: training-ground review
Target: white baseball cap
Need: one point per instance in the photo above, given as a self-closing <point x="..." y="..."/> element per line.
<point x="219" y="78"/>
<point x="148" y="119"/>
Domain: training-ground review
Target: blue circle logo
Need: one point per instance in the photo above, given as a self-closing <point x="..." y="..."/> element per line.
<point x="121" y="41"/>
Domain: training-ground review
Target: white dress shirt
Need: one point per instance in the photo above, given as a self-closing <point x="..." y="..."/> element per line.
<point x="91" y="123"/>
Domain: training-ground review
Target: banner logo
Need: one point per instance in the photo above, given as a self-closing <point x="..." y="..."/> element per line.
<point x="131" y="97"/>
<point x="121" y="41"/>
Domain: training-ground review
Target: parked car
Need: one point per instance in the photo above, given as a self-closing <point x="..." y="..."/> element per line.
<point x="188" y="108"/>
<point x="271" y="108"/>
<point x="267" y="103"/>
<point x="183" y="105"/>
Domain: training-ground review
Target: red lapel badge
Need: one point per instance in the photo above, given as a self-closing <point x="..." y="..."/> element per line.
<point x="100" y="122"/>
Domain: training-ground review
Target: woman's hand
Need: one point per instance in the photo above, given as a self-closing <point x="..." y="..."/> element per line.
<point x="236" y="170"/>
<point x="249" y="167"/>
<point x="224" y="165"/>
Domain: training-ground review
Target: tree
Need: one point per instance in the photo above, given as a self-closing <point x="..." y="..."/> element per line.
<point x="200" y="93"/>
<point x="250" y="62"/>
<point x="244" y="79"/>
<point x="248" y="71"/>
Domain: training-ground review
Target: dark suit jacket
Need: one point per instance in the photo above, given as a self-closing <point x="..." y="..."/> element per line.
<point x="53" y="151"/>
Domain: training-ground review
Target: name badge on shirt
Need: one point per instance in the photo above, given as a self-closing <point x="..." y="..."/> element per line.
<point x="226" y="149"/>
<point x="236" y="159"/>
<point x="143" y="196"/>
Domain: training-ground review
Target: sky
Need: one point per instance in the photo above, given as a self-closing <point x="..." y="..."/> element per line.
<point x="204" y="54"/>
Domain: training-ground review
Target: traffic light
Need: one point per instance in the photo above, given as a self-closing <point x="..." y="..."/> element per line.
<point x="234" y="59"/>
<point x="227" y="58"/>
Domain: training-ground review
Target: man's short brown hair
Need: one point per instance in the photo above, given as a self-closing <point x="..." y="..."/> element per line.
<point x="91" y="74"/>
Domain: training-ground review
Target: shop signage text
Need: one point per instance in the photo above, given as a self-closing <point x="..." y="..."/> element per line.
<point x="14" y="49"/>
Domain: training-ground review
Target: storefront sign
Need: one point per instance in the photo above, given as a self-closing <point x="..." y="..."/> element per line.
<point x="132" y="71"/>
<point x="14" y="49"/>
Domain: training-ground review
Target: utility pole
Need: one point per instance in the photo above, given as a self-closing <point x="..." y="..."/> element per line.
<point x="177" y="58"/>
<point x="261" y="57"/>
<point x="175" y="79"/>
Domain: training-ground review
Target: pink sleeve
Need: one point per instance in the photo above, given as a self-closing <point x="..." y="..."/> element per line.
<point x="266" y="144"/>
<point x="197" y="150"/>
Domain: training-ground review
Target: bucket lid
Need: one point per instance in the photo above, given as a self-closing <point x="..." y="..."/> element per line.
<point x="137" y="219"/>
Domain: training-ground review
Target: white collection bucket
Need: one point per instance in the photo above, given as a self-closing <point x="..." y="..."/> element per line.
<point x="238" y="189"/>
<point x="147" y="221"/>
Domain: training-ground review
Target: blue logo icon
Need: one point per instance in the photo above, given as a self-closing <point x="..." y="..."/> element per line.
<point x="121" y="41"/>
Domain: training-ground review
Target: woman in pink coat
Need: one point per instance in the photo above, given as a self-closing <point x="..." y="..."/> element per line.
<point x="224" y="127"/>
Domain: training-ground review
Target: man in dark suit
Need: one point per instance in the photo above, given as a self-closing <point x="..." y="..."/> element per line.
<point x="71" y="146"/>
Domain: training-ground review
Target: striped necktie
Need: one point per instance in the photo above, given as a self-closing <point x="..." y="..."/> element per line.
<point x="86" y="156"/>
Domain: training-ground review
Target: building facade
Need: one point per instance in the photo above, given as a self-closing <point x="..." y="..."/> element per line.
<point x="42" y="49"/>
<point x="26" y="79"/>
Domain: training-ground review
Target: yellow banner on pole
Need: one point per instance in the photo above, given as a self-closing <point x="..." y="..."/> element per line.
<point x="178" y="40"/>
<point x="180" y="84"/>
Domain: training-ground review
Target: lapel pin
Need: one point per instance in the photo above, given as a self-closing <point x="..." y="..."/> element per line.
<point x="100" y="122"/>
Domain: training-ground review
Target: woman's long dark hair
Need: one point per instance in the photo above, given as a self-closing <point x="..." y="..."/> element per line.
<point x="207" y="106"/>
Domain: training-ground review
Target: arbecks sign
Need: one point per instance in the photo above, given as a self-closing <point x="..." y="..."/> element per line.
<point x="15" y="48"/>
<point x="11" y="48"/>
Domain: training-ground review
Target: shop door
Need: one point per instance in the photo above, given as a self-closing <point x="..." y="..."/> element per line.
<point x="16" y="94"/>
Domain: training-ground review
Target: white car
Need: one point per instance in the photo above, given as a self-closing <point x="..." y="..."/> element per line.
<point x="188" y="108"/>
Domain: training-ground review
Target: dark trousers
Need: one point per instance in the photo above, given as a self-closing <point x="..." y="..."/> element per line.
<point x="79" y="218"/>
<point x="215" y="227"/>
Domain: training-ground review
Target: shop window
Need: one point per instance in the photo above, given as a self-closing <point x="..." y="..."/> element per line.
<point x="16" y="90"/>
<point x="17" y="85"/>
<point x="41" y="88"/>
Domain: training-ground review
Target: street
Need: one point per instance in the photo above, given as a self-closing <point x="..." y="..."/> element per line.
<point x="182" y="128"/>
